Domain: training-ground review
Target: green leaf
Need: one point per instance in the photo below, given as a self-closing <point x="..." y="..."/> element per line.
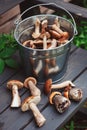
<point x="7" y="52"/>
<point x="72" y="125"/>
<point x="2" y="65"/>
<point x="11" y="63"/>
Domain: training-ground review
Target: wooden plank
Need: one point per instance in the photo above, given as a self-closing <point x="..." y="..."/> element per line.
<point x="8" y="26"/>
<point x="9" y="15"/>
<point x="73" y="63"/>
<point x="6" y="5"/>
<point x="75" y="9"/>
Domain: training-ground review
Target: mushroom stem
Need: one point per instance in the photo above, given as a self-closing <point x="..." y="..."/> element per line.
<point x="39" y="118"/>
<point x="56" y="28"/>
<point x="53" y="44"/>
<point x="16" y="101"/>
<point x="36" y="34"/>
<point x="53" y="70"/>
<point x="44" y="42"/>
<point x="62" y="85"/>
<point x="38" y="68"/>
<point x="34" y="90"/>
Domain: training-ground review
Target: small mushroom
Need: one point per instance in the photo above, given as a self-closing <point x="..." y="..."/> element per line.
<point x="64" y="38"/>
<point x="30" y="104"/>
<point x="45" y="36"/>
<point x="75" y="94"/>
<point x="14" y="85"/>
<point x="56" y="22"/>
<point x="36" y="34"/>
<point x="54" y="34"/>
<point x="44" y="25"/>
<point x="51" y="70"/>
<point x="57" y="29"/>
<point x="38" y="68"/>
<point x="61" y="103"/>
<point x="49" y="86"/>
<point x="53" y="44"/>
<point x="30" y="83"/>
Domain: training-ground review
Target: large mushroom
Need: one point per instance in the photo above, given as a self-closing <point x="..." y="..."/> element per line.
<point x="14" y="85"/>
<point x="61" y="103"/>
<point x="30" y="104"/>
<point x="30" y="83"/>
<point x="49" y="86"/>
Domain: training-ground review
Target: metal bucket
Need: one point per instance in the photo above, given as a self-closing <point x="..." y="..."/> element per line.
<point x="34" y="60"/>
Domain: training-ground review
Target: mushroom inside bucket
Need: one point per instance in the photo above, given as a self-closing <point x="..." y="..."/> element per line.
<point x="36" y="60"/>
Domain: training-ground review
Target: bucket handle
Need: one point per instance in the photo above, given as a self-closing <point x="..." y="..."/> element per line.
<point x="17" y="21"/>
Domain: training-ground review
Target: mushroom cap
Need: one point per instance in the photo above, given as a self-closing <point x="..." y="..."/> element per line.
<point x="47" y="86"/>
<point x="52" y="95"/>
<point x="27" y="101"/>
<point x="29" y="79"/>
<point x="55" y="34"/>
<point x="14" y="82"/>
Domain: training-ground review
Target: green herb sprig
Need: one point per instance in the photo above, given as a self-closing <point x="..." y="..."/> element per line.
<point x="81" y="39"/>
<point x="8" y="47"/>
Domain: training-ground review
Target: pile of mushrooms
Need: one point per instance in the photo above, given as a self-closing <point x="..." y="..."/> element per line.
<point x="62" y="101"/>
<point x="45" y="36"/>
<point x="31" y="102"/>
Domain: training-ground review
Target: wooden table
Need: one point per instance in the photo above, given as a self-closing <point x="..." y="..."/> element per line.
<point x="15" y="119"/>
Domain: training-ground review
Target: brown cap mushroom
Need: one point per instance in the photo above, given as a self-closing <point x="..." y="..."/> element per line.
<point x="60" y="102"/>
<point x="75" y="94"/>
<point x="49" y="86"/>
<point x="30" y="83"/>
<point x="14" y="85"/>
<point x="52" y="95"/>
<point x="30" y="104"/>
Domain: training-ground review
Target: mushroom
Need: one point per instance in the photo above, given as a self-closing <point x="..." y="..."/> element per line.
<point x="53" y="44"/>
<point x="64" y="38"/>
<point x="44" y="25"/>
<point x="57" y="29"/>
<point x="38" y="68"/>
<point x="51" y="70"/>
<point x="14" y="85"/>
<point x="75" y="94"/>
<point x="56" y="22"/>
<point x="54" y="34"/>
<point x="36" y="34"/>
<point x="49" y="86"/>
<point x="30" y="104"/>
<point x="61" y="103"/>
<point x="45" y="36"/>
<point x="30" y="83"/>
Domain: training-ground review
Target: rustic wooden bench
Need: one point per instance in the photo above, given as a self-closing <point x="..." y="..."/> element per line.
<point x="15" y="119"/>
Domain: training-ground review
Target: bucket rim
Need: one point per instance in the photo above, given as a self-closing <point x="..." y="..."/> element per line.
<point x="28" y="48"/>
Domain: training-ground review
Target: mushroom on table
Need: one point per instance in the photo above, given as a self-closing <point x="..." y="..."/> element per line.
<point x="74" y="93"/>
<point x="30" y="83"/>
<point x="49" y="86"/>
<point x="60" y="102"/>
<point x="30" y="104"/>
<point x="14" y="85"/>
